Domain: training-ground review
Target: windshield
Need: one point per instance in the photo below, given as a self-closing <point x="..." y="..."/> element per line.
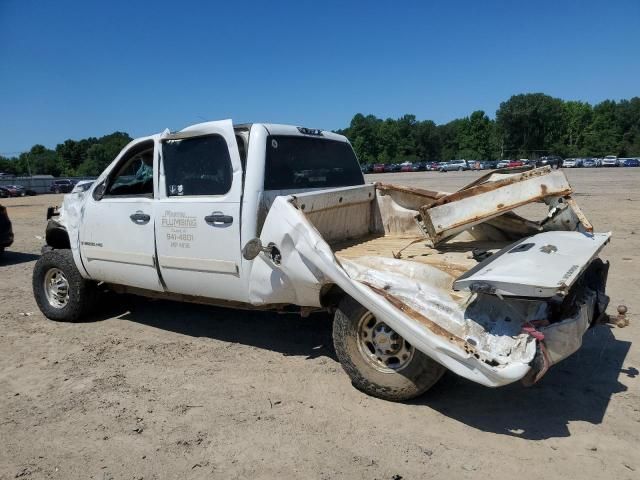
<point x="294" y="162"/>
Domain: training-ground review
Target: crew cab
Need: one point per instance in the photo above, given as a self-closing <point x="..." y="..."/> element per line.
<point x="279" y="217"/>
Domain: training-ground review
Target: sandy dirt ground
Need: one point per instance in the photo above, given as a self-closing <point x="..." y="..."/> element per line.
<point x="154" y="389"/>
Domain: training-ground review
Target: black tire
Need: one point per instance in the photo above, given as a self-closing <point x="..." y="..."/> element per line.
<point x="415" y="378"/>
<point x="81" y="293"/>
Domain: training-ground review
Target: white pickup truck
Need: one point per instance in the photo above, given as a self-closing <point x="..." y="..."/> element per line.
<point x="279" y="217"/>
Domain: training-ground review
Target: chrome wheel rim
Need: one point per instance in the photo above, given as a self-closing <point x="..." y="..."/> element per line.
<point x="56" y="288"/>
<point x="381" y="346"/>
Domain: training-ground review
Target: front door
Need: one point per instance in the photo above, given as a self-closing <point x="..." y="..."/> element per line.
<point x="116" y="232"/>
<point x="198" y="212"/>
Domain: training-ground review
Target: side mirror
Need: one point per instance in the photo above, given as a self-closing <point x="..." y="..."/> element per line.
<point x="98" y="192"/>
<point x="253" y="248"/>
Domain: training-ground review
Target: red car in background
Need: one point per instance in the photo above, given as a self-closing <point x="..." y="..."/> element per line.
<point x="515" y="163"/>
<point x="378" y="168"/>
<point x="406" y="167"/>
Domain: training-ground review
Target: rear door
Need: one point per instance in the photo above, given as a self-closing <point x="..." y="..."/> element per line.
<point x="198" y="212"/>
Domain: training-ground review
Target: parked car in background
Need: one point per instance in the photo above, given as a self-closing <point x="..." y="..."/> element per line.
<point x="455" y="165"/>
<point x="630" y="162"/>
<point x="503" y="163"/>
<point x="589" y="163"/>
<point x="482" y="164"/>
<point x="20" y="191"/>
<point x="489" y="164"/>
<point x="406" y="167"/>
<point x="378" y="168"/>
<point x="515" y="163"/>
<point x="392" y="167"/>
<point x="570" y="163"/>
<point x="432" y="166"/>
<point x="420" y="166"/>
<point x="552" y="160"/>
<point x="11" y="191"/>
<point x="610" y="161"/>
<point x="62" y="186"/>
<point x="366" y="168"/>
<point x="6" y="232"/>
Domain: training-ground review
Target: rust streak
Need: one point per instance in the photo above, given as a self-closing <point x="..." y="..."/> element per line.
<point x="430" y="324"/>
<point x="500" y="210"/>
<point x="417" y="191"/>
<point x="491" y="186"/>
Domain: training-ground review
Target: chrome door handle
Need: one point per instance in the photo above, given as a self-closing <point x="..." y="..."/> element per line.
<point x="218" y="218"/>
<point x="140" y="218"/>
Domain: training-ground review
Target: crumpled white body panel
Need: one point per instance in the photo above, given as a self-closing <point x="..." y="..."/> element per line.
<point x="308" y="263"/>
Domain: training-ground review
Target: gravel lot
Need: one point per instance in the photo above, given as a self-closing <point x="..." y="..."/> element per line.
<point x="154" y="389"/>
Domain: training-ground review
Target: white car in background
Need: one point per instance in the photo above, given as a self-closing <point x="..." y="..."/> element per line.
<point x="569" y="163"/>
<point x="610" y="161"/>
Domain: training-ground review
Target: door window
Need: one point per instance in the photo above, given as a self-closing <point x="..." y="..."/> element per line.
<point x="197" y="166"/>
<point x="134" y="176"/>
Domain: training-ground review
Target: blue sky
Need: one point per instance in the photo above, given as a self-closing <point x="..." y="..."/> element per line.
<point x="72" y="69"/>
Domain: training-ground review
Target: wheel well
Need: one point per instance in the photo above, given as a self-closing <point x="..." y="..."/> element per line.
<point x="56" y="235"/>
<point x="331" y="295"/>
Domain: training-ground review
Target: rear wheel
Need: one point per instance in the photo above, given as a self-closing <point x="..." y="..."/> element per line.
<point x="379" y="361"/>
<point x="60" y="291"/>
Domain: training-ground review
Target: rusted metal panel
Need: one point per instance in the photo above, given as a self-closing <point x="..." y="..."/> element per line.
<point x="384" y="187"/>
<point x="419" y="317"/>
<point x="459" y="211"/>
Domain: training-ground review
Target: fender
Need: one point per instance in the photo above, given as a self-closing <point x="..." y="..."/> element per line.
<point x="56" y="235"/>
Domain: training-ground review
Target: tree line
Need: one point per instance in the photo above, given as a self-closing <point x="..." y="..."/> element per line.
<point x="86" y="157"/>
<point x="525" y="126"/>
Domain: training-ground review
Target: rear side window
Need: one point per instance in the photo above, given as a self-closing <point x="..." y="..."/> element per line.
<point x="294" y="162"/>
<point x="197" y="166"/>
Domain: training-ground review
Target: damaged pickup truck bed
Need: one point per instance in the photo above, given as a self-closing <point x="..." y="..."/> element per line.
<point x="279" y="217"/>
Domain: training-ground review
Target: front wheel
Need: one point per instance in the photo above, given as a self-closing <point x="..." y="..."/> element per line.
<point x="379" y="361"/>
<point x="60" y="291"/>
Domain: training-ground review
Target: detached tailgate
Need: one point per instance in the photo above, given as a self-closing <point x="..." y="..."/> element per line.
<point x="539" y="266"/>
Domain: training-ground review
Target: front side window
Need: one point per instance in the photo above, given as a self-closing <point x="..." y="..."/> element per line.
<point x="295" y="162"/>
<point x="134" y="176"/>
<point x="197" y="166"/>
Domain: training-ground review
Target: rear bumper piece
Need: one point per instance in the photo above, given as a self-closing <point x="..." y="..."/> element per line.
<point x="563" y="338"/>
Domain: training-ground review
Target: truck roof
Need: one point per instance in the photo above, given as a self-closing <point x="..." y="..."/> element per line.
<point x="283" y="129"/>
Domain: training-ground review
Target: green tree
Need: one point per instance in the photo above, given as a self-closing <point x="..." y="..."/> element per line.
<point x="531" y="123"/>
<point x="476" y="137"/>
<point x="604" y="136"/>
<point x="428" y="144"/>
<point x="577" y="117"/>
